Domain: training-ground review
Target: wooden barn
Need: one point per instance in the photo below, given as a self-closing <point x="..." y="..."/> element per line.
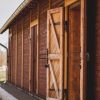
<point x="54" y="50"/>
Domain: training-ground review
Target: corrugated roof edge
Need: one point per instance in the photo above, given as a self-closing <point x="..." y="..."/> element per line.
<point x="13" y="16"/>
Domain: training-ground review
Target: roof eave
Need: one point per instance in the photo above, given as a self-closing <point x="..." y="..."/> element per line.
<point x="13" y="16"/>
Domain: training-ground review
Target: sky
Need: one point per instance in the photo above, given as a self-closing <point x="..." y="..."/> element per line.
<point x="7" y="8"/>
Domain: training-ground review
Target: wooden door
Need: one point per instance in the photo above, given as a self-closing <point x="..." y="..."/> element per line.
<point x="74" y="54"/>
<point x="55" y="54"/>
<point x="34" y="58"/>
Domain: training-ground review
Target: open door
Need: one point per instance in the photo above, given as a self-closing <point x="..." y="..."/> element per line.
<point x="74" y="49"/>
<point x="34" y="59"/>
<point x="55" y="54"/>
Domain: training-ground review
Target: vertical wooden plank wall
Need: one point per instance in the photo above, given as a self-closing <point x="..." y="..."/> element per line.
<point x="14" y="50"/>
<point x="19" y="54"/>
<point x="42" y="47"/>
<point x="26" y="31"/>
<point x="22" y="47"/>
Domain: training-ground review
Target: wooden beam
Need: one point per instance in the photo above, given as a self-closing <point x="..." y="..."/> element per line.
<point x="16" y="57"/>
<point x="65" y="54"/>
<point x="22" y="68"/>
<point x="49" y="4"/>
<point x="47" y="75"/>
<point x="54" y="79"/>
<point x="38" y="27"/>
<point x="75" y="5"/>
<point x="48" y="37"/>
<point x="69" y="2"/>
<point x="30" y="55"/>
<point x="10" y="60"/>
<point x="54" y="32"/>
<point x="54" y="56"/>
<point x="62" y="52"/>
<point x="34" y="23"/>
<point x="11" y="55"/>
<point x="82" y="49"/>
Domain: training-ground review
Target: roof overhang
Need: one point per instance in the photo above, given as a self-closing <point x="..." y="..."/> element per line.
<point x="13" y="16"/>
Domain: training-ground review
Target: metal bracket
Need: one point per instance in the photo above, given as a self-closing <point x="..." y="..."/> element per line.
<point x="66" y="25"/>
<point x="47" y="65"/>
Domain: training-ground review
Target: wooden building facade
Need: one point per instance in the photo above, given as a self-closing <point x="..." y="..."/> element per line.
<point x="50" y="49"/>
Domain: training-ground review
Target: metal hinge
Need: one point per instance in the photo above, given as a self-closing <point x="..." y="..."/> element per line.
<point x="66" y="25"/>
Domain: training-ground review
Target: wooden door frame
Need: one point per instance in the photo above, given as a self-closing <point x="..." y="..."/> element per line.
<point x="32" y="24"/>
<point x="83" y="51"/>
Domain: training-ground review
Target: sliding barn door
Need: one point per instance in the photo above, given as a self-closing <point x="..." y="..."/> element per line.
<point x="55" y="54"/>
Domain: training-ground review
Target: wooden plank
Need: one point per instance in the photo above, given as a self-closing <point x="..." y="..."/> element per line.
<point x="82" y="49"/>
<point x="34" y="23"/>
<point x="10" y="60"/>
<point x="22" y="68"/>
<point x="75" y="5"/>
<point x="11" y="57"/>
<point x="51" y="11"/>
<point x="37" y="47"/>
<point x="62" y="52"/>
<point x="69" y="2"/>
<point x="54" y="79"/>
<point x="74" y="50"/>
<point x="54" y="56"/>
<point x="16" y="58"/>
<point x="47" y="94"/>
<point x="54" y="32"/>
<point x="30" y="55"/>
<point x="66" y="54"/>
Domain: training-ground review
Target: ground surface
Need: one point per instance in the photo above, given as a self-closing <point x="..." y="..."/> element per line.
<point x="17" y="93"/>
<point x="5" y="95"/>
<point x="2" y="73"/>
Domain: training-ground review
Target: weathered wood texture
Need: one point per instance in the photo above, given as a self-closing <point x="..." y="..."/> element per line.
<point x="19" y="54"/>
<point x="74" y="54"/>
<point x="34" y="59"/>
<point x="26" y="31"/>
<point x="20" y="30"/>
<point x="55" y="38"/>
<point x="69" y="2"/>
<point x="42" y="47"/>
<point x="9" y="57"/>
<point x="97" y="52"/>
<point x="14" y="39"/>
